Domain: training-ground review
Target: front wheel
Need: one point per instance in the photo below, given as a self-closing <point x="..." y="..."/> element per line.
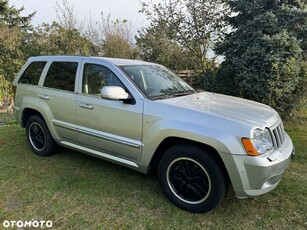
<point x="191" y="178"/>
<point x="39" y="137"/>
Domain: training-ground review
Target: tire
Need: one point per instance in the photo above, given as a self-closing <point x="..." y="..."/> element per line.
<point x="39" y="138"/>
<point x="191" y="178"/>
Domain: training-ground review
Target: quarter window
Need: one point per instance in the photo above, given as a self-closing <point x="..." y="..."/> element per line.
<point x="62" y="75"/>
<point x="32" y="74"/>
<point x="97" y="76"/>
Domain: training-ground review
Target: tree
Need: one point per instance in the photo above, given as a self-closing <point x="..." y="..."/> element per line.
<point x="61" y="37"/>
<point x="66" y="15"/>
<point x="11" y="16"/>
<point x="55" y="39"/>
<point x="107" y="37"/>
<point x="117" y="40"/>
<point x="13" y="30"/>
<point x="265" y="55"/>
<point x="155" y="46"/>
<point x="11" y="55"/>
<point x="194" y="24"/>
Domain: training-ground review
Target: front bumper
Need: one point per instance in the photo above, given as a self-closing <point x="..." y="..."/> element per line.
<point x="259" y="175"/>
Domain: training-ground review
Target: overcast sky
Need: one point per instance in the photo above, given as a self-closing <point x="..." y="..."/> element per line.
<point x="123" y="9"/>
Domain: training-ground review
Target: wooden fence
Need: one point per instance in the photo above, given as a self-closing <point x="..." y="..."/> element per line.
<point x="187" y="75"/>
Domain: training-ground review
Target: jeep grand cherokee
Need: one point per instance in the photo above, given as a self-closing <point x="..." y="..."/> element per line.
<point x="143" y="116"/>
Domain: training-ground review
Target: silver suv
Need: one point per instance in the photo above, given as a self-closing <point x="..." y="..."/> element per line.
<point x="142" y="116"/>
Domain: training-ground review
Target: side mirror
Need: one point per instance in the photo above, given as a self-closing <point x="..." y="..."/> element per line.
<point x="114" y="93"/>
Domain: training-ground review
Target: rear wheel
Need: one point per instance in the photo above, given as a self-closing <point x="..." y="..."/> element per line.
<point x="191" y="178"/>
<point x="39" y="137"/>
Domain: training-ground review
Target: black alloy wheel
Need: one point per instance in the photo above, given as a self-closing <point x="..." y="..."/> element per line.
<point x="192" y="178"/>
<point x="39" y="138"/>
<point x="188" y="180"/>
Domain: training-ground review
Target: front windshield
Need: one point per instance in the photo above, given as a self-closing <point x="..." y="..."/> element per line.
<point x="157" y="82"/>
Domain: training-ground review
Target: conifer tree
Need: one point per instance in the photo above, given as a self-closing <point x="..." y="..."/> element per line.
<point x="265" y="54"/>
<point x="11" y="16"/>
<point x="13" y="31"/>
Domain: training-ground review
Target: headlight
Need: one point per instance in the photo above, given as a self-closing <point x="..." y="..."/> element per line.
<point x="260" y="142"/>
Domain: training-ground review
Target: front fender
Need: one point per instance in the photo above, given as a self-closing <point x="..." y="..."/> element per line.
<point x="157" y="131"/>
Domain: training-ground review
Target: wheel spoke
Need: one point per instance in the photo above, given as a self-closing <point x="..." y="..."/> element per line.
<point x="40" y="133"/>
<point x="187" y="167"/>
<point x="198" y="178"/>
<point x="175" y="172"/>
<point x="202" y="188"/>
<point x="196" y="171"/>
<point x="183" y="190"/>
<point x="199" y="194"/>
<point x="41" y="141"/>
<point x="35" y="129"/>
<point x="177" y="179"/>
<point x="182" y="167"/>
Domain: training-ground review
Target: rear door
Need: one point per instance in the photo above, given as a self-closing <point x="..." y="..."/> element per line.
<point x="57" y="98"/>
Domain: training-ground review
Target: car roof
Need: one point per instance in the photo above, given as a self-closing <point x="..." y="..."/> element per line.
<point x="115" y="61"/>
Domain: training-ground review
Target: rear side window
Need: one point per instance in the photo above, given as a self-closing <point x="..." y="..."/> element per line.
<point x="62" y="75"/>
<point x="32" y="74"/>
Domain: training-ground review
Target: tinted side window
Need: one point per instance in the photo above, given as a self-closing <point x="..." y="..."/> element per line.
<point x="32" y="74"/>
<point x="97" y="76"/>
<point x="62" y="75"/>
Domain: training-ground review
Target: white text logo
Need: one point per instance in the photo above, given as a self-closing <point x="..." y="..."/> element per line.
<point x="27" y="224"/>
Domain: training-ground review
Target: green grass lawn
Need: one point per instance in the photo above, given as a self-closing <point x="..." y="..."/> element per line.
<point x="76" y="191"/>
<point x="7" y="118"/>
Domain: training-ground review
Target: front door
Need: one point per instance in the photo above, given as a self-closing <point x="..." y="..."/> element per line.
<point x="109" y="127"/>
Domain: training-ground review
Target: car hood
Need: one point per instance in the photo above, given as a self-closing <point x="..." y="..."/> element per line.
<point x="230" y="108"/>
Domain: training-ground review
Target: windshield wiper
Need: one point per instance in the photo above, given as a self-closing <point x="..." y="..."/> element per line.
<point x="171" y="95"/>
<point x="182" y="93"/>
<point x="160" y="97"/>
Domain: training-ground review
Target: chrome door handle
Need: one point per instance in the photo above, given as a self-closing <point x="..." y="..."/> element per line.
<point x="86" y="106"/>
<point x="43" y="96"/>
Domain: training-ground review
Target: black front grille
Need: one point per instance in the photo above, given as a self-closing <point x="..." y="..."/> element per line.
<point x="278" y="135"/>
